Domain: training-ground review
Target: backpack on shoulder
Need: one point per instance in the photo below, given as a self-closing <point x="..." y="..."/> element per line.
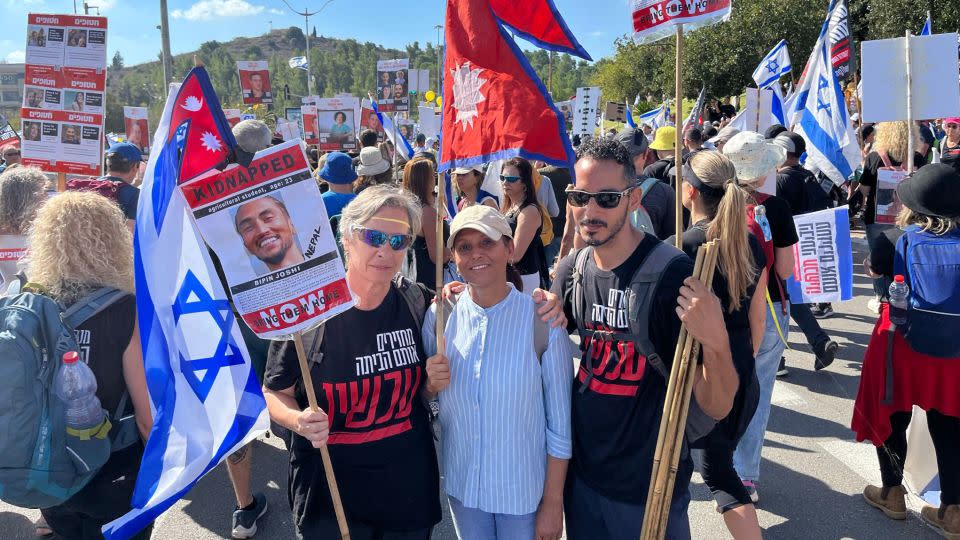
<point x="642" y="287"/>
<point x="640" y="218"/>
<point x="41" y="464"/>
<point x="759" y="227"/>
<point x="930" y="265"/>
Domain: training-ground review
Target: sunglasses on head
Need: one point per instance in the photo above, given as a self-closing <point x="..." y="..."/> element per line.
<point x="605" y="199"/>
<point x="509" y="179"/>
<point x="376" y="239"/>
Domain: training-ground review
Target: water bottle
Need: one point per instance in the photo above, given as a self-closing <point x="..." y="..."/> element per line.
<point x="760" y="216"/>
<point x="899" y="294"/>
<point x="77" y="389"/>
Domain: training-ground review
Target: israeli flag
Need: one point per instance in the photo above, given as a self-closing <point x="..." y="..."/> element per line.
<point x="927" y="27"/>
<point x="630" y="121"/>
<point x="657" y="117"/>
<point x="822" y="112"/>
<point x="298" y="62"/>
<point x="388" y="128"/>
<point x="774" y="65"/>
<point x="205" y="398"/>
<point x="778" y="106"/>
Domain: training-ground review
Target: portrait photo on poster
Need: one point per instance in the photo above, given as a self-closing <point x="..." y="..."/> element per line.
<point x="337" y="130"/>
<point x="267" y="232"/>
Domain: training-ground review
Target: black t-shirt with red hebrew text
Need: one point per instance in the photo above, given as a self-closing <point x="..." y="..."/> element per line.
<point x="369" y="382"/>
<point x="617" y="417"/>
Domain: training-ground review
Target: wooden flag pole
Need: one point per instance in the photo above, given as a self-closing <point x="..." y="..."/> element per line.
<point x="324" y="451"/>
<point x="61" y="181"/>
<point x="678" y="141"/>
<point x="441" y="206"/>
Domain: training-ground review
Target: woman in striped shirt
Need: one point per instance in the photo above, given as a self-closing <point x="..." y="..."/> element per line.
<point x="505" y="415"/>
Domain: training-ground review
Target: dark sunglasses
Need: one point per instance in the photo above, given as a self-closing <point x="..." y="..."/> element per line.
<point x="605" y="199"/>
<point x="375" y="238"/>
<point x="11" y="154"/>
<point x="509" y="179"/>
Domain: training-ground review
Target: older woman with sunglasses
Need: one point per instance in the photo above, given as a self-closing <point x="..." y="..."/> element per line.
<point x="368" y="373"/>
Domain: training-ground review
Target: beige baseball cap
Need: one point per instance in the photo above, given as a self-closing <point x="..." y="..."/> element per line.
<point x="468" y="170"/>
<point x="481" y="218"/>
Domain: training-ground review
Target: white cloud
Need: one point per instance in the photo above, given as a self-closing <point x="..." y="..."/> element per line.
<point x="205" y="10"/>
<point x="598" y="33"/>
<point x="276" y="11"/>
<point x="16" y="57"/>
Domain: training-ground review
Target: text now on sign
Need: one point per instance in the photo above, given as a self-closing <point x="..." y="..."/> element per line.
<point x="656" y="19"/>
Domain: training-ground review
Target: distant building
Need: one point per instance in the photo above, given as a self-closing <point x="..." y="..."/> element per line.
<point x="11" y="88"/>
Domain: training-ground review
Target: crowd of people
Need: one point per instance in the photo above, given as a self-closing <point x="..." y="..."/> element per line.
<point x="532" y="442"/>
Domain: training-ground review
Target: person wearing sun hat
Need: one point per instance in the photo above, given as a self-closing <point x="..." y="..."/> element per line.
<point x="339" y="175"/>
<point x="372" y="169"/>
<point x="664" y="143"/>
<point x="927" y="379"/>
<point x="754" y="159"/>
<point x="527" y="367"/>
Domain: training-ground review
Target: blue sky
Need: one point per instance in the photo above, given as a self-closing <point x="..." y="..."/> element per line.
<point x="596" y="23"/>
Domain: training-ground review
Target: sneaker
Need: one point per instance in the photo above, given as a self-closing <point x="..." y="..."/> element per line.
<point x="823" y="311"/>
<point x="874" y="305"/>
<point x="245" y="519"/>
<point x="946" y="519"/>
<point x="825" y="357"/>
<point x="890" y="500"/>
<point x="751" y="488"/>
<point x="782" y="370"/>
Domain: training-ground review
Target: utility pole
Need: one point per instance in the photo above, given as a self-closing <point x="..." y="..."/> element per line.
<point x="306" y="32"/>
<point x="165" y="43"/>
<point x="439" y="28"/>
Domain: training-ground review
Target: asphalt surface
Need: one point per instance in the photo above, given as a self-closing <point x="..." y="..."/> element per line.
<point x="812" y="475"/>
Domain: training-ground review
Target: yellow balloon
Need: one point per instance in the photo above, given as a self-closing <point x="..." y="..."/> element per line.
<point x="430" y="95"/>
<point x="439" y="101"/>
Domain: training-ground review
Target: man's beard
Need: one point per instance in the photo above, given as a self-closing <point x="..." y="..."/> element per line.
<point x="614" y="231"/>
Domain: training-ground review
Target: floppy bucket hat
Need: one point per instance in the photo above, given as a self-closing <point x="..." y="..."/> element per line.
<point x="372" y="162"/>
<point x="752" y="155"/>
<point x="338" y="169"/>
<point x="665" y="138"/>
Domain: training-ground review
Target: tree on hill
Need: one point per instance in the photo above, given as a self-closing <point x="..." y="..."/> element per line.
<point x="117" y="62"/>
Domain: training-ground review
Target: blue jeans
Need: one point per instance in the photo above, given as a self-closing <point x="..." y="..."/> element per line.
<point x="591" y="516"/>
<point x="746" y="459"/>
<point x="475" y="524"/>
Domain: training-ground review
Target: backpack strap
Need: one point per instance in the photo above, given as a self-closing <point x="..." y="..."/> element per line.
<point x="90" y="305"/>
<point x="644" y="284"/>
<point x="16" y="286"/>
<point x="646" y="186"/>
<point x="541" y="335"/>
<point x="414" y="297"/>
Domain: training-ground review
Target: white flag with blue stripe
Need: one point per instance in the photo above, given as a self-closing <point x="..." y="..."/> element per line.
<point x="822" y="117"/>
<point x="774" y="65"/>
<point x="927" y="26"/>
<point x="388" y="128"/>
<point x="657" y="117"/>
<point x="630" y="121"/>
<point x="298" y="62"/>
<point x="206" y="399"/>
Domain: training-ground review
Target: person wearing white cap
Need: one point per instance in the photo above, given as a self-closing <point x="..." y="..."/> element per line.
<point x="771" y="222"/>
<point x="468" y="180"/>
<point x="505" y="413"/>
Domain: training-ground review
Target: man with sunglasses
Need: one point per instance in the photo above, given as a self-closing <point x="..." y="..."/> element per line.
<point x="625" y="294"/>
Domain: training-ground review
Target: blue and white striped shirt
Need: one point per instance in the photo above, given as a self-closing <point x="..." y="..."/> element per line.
<point x="504" y="410"/>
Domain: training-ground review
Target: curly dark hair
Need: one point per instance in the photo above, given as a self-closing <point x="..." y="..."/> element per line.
<point x="604" y="149"/>
<point x="339" y="114"/>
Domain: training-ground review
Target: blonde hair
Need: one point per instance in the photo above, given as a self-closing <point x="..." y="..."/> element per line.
<point x="727" y="222"/>
<point x="892" y="138"/>
<point x="931" y="224"/>
<point x="79" y="242"/>
<point x="23" y="190"/>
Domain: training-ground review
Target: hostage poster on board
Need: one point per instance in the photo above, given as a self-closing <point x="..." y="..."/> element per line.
<point x="369" y="119"/>
<point x="268" y="226"/>
<point x="255" y="82"/>
<point x="336" y="124"/>
<point x="137" y="129"/>
<point x="393" y="86"/>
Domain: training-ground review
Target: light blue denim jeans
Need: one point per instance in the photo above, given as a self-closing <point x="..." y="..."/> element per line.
<point x="475" y="524"/>
<point x="746" y="459"/>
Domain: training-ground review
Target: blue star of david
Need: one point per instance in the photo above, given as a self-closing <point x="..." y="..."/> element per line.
<point x="821" y="104"/>
<point x="226" y="354"/>
<point x="773" y="66"/>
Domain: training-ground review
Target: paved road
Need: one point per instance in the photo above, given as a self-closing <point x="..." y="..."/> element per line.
<point x="812" y="472"/>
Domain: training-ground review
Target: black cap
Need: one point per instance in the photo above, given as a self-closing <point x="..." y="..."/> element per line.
<point x="932" y="190"/>
<point x="773" y="131"/>
<point x="633" y="140"/>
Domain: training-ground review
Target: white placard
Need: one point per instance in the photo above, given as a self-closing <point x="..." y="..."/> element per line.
<point x="587" y="108"/>
<point x="934" y="91"/>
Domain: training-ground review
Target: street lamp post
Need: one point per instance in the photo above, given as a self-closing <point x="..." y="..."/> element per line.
<point x="306" y="32"/>
<point x="439" y="28"/>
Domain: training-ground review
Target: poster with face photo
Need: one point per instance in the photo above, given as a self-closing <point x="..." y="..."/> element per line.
<point x="268" y="226"/>
<point x="295" y="114"/>
<point x="42" y="87"/>
<point x="336" y="124"/>
<point x="136" y="128"/>
<point x="255" y="82"/>
<point x="45" y="39"/>
<point x="83" y="90"/>
<point x="310" y="129"/>
<point x="86" y="43"/>
<point x="369" y="119"/>
<point x="393" y="86"/>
